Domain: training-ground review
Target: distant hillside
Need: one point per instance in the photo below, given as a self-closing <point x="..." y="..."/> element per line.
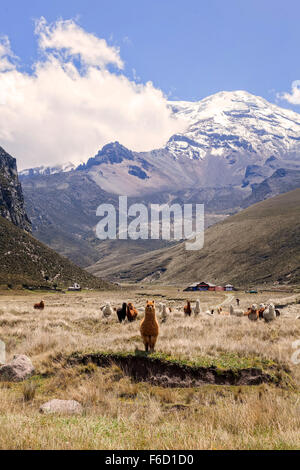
<point x="260" y="244"/>
<point x="24" y="260"/>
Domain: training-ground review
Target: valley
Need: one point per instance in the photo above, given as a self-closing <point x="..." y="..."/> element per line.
<point x="80" y="355"/>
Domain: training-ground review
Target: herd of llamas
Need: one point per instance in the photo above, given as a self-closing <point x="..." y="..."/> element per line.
<point x="149" y="326"/>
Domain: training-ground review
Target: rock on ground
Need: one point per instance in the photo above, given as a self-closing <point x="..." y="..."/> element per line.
<point x="61" y="406"/>
<point x="20" y="368"/>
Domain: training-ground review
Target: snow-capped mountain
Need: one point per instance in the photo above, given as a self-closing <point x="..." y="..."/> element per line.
<point x="47" y="170"/>
<point x="237" y="149"/>
<point x="232" y="138"/>
<point x="229" y="122"/>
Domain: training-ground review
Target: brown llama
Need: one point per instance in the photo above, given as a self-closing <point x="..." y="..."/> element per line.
<point x="149" y="327"/>
<point x="221" y="311"/>
<point x="131" y="312"/>
<point x="187" y="309"/>
<point x="40" y="305"/>
<point x="252" y="313"/>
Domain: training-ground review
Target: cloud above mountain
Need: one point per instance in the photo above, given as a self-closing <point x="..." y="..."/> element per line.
<point x="293" y="97"/>
<point x="76" y="99"/>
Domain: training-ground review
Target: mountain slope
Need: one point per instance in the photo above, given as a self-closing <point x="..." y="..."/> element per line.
<point x="11" y="196"/>
<point x="26" y="261"/>
<point x="229" y="122"/>
<point x="261" y="244"/>
<point x="237" y="150"/>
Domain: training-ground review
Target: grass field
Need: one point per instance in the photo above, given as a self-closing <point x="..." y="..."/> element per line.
<point x="123" y="413"/>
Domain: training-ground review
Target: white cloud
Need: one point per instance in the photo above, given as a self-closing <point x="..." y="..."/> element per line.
<point x="68" y="108"/>
<point x="69" y="38"/>
<point x="6" y="55"/>
<point x="294" y="96"/>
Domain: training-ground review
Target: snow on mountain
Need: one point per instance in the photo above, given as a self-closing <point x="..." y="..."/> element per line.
<point x="47" y="170"/>
<point x="231" y="122"/>
<point x="231" y="139"/>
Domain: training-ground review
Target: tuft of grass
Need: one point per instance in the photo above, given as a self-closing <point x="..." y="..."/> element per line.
<point x="28" y="390"/>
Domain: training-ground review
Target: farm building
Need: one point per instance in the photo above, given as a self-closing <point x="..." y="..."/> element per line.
<point x="208" y="286"/>
<point x="219" y="288"/>
<point x="229" y="287"/>
<point x="204" y="286"/>
<point x="192" y="287"/>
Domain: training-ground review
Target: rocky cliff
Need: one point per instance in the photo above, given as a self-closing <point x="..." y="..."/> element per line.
<point x="11" y="196"/>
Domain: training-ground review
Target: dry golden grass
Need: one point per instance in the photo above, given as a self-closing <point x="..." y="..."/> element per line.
<point x="121" y="414"/>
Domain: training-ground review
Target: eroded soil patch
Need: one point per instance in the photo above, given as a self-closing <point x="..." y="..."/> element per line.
<point x="167" y="373"/>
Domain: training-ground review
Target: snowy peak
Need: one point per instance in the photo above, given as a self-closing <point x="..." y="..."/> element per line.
<point x="231" y="122"/>
<point x="47" y="170"/>
<point x="231" y="138"/>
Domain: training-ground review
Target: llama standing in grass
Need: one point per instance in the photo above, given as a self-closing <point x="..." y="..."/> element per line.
<point x="131" y="312"/>
<point x="107" y="310"/>
<point x="197" y="309"/>
<point x="149" y="327"/>
<point x="210" y="312"/>
<point x="121" y="312"/>
<point x="160" y="307"/>
<point x="236" y="312"/>
<point x="222" y="312"/>
<point x="40" y="305"/>
<point x="261" y="310"/>
<point x="187" y="309"/>
<point x="269" y="313"/>
<point x="164" y="314"/>
<point x="252" y="313"/>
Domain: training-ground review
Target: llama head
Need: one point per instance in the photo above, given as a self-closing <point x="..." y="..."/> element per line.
<point x="272" y="308"/>
<point x="262" y="306"/>
<point x="254" y="307"/>
<point x="150" y="306"/>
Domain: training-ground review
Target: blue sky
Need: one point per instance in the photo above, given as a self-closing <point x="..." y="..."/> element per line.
<point x="75" y="75"/>
<point x="189" y="49"/>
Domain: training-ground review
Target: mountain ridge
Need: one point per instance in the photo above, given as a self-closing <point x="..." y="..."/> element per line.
<point x="259" y="245"/>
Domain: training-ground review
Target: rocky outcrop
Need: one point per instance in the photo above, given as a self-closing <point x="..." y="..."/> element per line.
<point x="61" y="407"/>
<point x="20" y="368"/>
<point x="11" y="195"/>
<point x="110" y="153"/>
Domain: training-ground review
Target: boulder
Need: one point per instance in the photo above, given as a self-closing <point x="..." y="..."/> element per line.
<point x="61" y="407"/>
<point x="20" y="368"/>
